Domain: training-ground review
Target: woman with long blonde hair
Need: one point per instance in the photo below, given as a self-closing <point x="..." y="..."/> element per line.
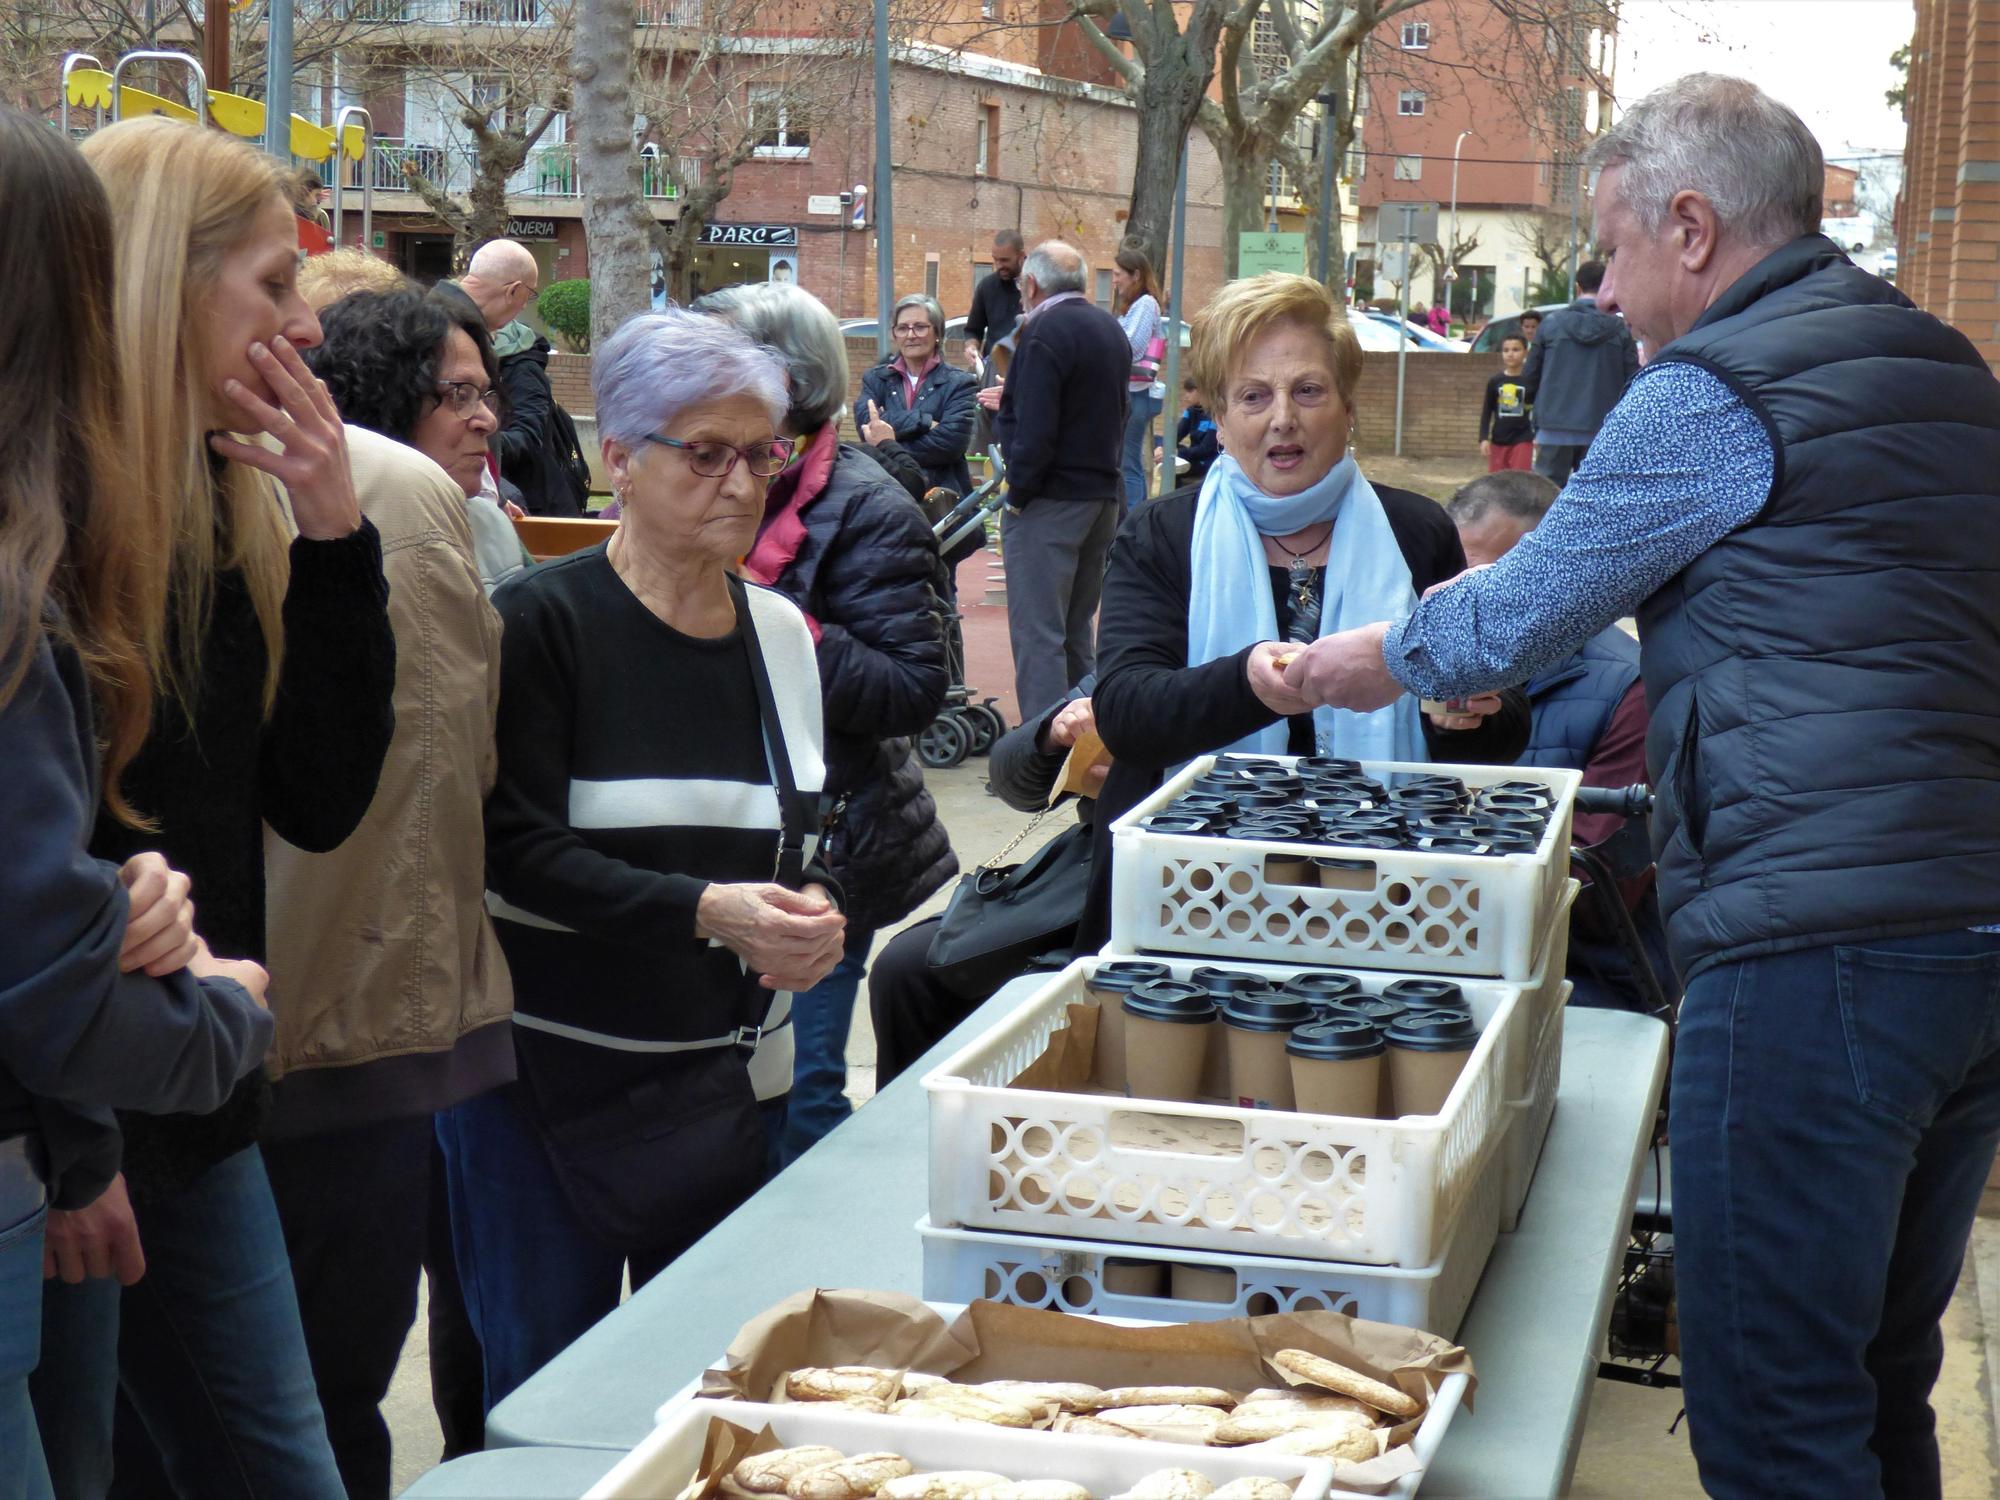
<point x="107" y="996"/>
<point x="275" y="710"/>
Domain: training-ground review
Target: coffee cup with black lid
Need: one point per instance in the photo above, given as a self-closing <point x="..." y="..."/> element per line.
<point x="1327" y="765"/>
<point x="1167" y="1025"/>
<point x="1336" y="1067"/>
<point x="1321" y="990"/>
<point x="1378" y="1011"/>
<point x="1446" y="822"/>
<point x="1255" y="1028"/>
<point x="1222" y="984"/>
<point x="1425" y="994"/>
<point x="1451" y="843"/>
<point x="1498" y="799"/>
<point x="1182" y="824"/>
<point x="1110" y="983"/>
<point x="1428" y="1050"/>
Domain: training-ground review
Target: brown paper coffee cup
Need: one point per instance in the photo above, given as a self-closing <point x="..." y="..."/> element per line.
<point x="1287" y="869"/>
<point x="1134" y="1278"/>
<point x="1423" y="1080"/>
<point x="1216" y="1284"/>
<point x="1163" y="1059"/>
<point x="1215" y="1066"/>
<point x="1107" y="1064"/>
<point x="1260" y="1074"/>
<point x="1351" y="1086"/>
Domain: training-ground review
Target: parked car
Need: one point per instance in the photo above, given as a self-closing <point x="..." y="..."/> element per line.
<point x="1489" y="338"/>
<point x="864" y="328"/>
<point x="1377" y="336"/>
<point x="1420" y="335"/>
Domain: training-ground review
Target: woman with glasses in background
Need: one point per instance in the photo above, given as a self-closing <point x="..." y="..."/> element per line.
<point x="919" y="402"/>
<point x="649" y="859"/>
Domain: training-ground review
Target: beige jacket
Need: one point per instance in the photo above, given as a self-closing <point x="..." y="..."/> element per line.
<point x="382" y="948"/>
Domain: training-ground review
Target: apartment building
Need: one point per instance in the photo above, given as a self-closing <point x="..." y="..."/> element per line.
<point x="1463" y="103"/>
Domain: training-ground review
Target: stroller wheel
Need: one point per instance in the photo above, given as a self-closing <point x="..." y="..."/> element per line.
<point x="942" y="744"/>
<point x="987" y="724"/>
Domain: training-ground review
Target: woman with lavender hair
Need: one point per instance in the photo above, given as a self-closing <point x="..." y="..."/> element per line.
<point x="650" y="859"/>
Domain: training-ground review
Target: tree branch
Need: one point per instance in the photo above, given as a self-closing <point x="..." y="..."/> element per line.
<point x="1132" y="72"/>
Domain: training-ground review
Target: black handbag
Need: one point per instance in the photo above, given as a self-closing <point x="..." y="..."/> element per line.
<point x="666" y="1156"/>
<point x="1002" y="916"/>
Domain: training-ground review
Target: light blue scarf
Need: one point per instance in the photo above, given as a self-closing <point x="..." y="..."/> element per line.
<point x="1367" y="580"/>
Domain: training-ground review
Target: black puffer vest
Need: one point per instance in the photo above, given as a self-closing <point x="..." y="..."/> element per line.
<point x="1825" y="738"/>
<point x="1573" y="703"/>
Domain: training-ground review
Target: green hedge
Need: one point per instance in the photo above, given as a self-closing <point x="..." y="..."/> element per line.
<point x="565" y="307"/>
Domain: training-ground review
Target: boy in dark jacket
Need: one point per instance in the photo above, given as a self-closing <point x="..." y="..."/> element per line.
<point x="1196" y="439"/>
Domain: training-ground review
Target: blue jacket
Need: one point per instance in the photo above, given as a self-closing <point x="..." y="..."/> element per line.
<point x="1823" y="744"/>
<point x="78" y="1038"/>
<point x="1572" y="704"/>
<point x="1578" y="367"/>
<point x="937" y="430"/>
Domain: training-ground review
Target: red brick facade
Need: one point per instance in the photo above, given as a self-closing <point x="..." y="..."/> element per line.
<point x="1948" y="223"/>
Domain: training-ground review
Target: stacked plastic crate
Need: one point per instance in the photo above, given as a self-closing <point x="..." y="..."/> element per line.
<point x="1051" y="1185"/>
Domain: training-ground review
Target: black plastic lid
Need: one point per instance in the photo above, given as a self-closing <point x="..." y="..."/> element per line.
<point x="1253" y="765"/>
<point x="1447" y="822"/>
<point x="1270" y="832"/>
<point x="1425" y="994"/>
<point x="1254" y="796"/>
<point x="1377" y="1010"/>
<point x="1203" y="802"/>
<point x="1452" y="843"/>
<point x="1320" y="989"/>
<point x="1523" y="801"/>
<point x="1433" y="1031"/>
<point x="1177" y="822"/>
<point x="1224" y="982"/>
<point x="1339" y="1039"/>
<point x="1126" y="974"/>
<point x="1170" y="1000"/>
<point x="1265" y="1012"/>
<point x="1327" y="765"/>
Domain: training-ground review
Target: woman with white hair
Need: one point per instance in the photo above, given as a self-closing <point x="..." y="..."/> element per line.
<point x="650" y="860"/>
<point x="849" y="546"/>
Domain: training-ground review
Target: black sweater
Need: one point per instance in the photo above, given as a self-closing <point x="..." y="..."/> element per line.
<point x="1155" y="711"/>
<point x="211" y="785"/>
<point x="1062" y="412"/>
<point x="77" y="1036"/>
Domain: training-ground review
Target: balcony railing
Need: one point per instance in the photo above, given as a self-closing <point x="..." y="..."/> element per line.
<point x="549" y="172"/>
<point x="439" y="12"/>
<point x="685" y="14"/>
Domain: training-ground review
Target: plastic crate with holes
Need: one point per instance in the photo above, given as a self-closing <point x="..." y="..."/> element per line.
<point x="1074" y="1163"/>
<point x="1529" y="1116"/>
<point x="1417" y="910"/>
<point x="1142" y="1281"/>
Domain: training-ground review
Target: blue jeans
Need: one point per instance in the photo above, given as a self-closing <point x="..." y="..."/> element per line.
<point x="535" y="1278"/>
<point x="23" y="1475"/>
<point x="1835" y="1112"/>
<point x="1138" y="428"/>
<point x="202" y="1358"/>
<point x="821" y="1018"/>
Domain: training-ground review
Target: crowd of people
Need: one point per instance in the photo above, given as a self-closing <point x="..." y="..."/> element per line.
<point x="387" y="909"/>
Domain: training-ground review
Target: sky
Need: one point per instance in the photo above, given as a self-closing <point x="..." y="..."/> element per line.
<point x="1827" y="59"/>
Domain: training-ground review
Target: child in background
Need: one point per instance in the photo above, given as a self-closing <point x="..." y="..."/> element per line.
<point x="1505" y="435"/>
<point x="1196" y="436"/>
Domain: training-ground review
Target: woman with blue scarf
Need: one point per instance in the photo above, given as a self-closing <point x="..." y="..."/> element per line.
<point x="1206" y="587"/>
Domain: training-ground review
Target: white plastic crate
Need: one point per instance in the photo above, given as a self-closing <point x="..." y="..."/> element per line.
<point x="1206" y="1176"/>
<point x="1069" y="1275"/>
<point x="1425" y="913"/>
<point x="1529" y="1116"/>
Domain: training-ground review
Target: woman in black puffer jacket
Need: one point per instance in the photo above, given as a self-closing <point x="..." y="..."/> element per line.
<point x="848" y="545"/>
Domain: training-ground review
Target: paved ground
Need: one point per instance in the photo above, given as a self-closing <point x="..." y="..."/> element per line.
<point x="1632" y="1447"/>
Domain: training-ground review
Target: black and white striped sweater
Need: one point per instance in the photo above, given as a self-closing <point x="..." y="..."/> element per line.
<point x="633" y="772"/>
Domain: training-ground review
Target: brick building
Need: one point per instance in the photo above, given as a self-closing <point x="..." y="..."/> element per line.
<point x="1948" y="219"/>
<point x="1518" y="105"/>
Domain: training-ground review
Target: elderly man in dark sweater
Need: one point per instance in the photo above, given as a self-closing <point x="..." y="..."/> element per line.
<point x="1061" y="426"/>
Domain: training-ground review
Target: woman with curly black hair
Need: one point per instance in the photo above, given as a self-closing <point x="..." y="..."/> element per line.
<point x="396" y="994"/>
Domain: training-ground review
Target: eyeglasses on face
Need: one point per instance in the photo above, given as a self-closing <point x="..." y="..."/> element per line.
<point x="463" y="397"/>
<point x="714" y="460"/>
<point x="910" y="330"/>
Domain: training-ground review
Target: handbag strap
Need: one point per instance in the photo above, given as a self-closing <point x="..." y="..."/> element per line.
<point x="792" y="815"/>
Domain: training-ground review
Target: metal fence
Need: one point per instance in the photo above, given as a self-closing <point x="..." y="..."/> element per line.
<point x="549" y="172"/>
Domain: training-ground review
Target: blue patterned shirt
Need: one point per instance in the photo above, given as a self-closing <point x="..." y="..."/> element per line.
<point x="1680" y="463"/>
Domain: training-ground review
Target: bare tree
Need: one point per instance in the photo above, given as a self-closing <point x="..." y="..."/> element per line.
<point x="616" y="223"/>
<point x="728" y="90"/>
<point x="1167" y="80"/>
<point x="503" y="80"/>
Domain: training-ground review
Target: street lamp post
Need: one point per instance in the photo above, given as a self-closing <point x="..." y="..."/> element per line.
<point x="1451" y="250"/>
<point x="885" y="217"/>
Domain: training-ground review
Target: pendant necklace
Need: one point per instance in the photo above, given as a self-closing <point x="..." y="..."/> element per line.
<point x="1305" y="617"/>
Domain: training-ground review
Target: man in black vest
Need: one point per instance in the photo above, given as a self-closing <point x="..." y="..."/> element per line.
<point x="1793" y="495"/>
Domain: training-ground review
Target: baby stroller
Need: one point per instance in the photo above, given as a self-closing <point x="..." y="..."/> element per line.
<point x="963" y="727"/>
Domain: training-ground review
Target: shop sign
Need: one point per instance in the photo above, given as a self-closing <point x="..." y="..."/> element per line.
<point x="823" y="203"/>
<point x="531" y="229"/>
<point x="763" y="236"/>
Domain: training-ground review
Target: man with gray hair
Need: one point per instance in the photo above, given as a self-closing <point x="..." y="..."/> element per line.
<point x="1062" y="430"/>
<point x="1793" y="495"/>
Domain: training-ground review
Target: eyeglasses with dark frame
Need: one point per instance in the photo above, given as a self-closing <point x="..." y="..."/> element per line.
<point x="715" y="460"/>
<point x="910" y="330"/>
<point x="462" y="396"/>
